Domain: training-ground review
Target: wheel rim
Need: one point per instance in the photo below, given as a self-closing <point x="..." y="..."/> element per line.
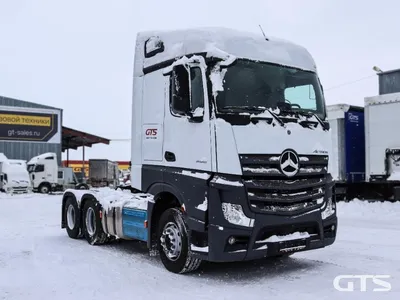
<point x="171" y="241"/>
<point x="90" y="221"/>
<point x="45" y="189"/>
<point x="71" y="217"/>
<point x="82" y="187"/>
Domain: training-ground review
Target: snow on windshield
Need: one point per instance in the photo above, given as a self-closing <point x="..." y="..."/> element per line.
<point x="249" y="86"/>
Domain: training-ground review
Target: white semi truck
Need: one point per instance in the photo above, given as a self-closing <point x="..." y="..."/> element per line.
<point x="230" y="152"/>
<point x="47" y="176"/>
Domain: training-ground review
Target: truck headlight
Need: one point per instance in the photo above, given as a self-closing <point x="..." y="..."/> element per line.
<point x="234" y="214"/>
<point x="328" y="209"/>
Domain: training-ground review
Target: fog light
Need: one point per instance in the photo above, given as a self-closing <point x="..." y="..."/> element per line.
<point x="333" y="228"/>
<point x="231" y="240"/>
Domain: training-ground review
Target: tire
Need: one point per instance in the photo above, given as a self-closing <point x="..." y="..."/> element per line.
<point x="44" y="188"/>
<point x="177" y="261"/>
<point x="82" y="186"/>
<point x="92" y="227"/>
<point x="72" y="218"/>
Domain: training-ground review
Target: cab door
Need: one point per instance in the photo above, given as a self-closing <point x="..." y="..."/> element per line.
<point x="187" y="134"/>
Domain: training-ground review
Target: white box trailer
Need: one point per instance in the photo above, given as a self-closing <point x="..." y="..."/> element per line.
<point x="382" y="120"/>
<point x="365" y="158"/>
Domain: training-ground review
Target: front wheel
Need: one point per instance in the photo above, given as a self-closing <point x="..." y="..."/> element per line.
<point x="92" y="227"/>
<point x="173" y="243"/>
<point x="44" y="188"/>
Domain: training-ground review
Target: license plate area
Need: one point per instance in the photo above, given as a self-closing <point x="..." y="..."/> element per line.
<point x="293" y="245"/>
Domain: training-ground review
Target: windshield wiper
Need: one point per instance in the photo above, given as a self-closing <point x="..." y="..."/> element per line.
<point x="279" y="120"/>
<point x="245" y="108"/>
<point x="287" y="108"/>
<point x="257" y="109"/>
<point x="323" y="124"/>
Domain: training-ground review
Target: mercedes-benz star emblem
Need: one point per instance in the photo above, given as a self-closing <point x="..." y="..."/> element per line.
<point x="289" y="162"/>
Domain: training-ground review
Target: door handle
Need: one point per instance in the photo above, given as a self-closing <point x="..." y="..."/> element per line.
<point x="169" y="156"/>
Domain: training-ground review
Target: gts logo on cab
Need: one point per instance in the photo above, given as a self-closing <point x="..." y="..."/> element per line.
<point x="151" y="132"/>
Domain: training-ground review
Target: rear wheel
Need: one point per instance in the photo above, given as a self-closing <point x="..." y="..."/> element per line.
<point x="82" y="186"/>
<point x="92" y="227"/>
<point x="72" y="218"/>
<point x="173" y="243"/>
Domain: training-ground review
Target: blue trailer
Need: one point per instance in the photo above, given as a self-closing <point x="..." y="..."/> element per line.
<point x="348" y="149"/>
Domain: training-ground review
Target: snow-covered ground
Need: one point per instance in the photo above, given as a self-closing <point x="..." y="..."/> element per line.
<point x="38" y="261"/>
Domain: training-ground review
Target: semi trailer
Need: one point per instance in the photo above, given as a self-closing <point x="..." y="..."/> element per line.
<point x="230" y="153"/>
<point x="103" y="172"/>
<point x="348" y="149"/>
<point x="366" y="149"/>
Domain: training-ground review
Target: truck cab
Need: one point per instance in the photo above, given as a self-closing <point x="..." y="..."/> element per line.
<point x="14" y="178"/>
<point x="47" y="176"/>
<point x="233" y="127"/>
<point x="43" y="170"/>
<point x="230" y="140"/>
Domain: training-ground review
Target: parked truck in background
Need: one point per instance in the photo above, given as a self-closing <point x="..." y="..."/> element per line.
<point x="230" y="153"/>
<point x="20" y="162"/>
<point x="366" y="148"/>
<point x="47" y="176"/>
<point x="103" y="172"/>
<point x="14" y="178"/>
<point x="348" y="149"/>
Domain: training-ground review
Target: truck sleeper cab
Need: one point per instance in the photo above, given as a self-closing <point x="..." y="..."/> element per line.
<point x="230" y="153"/>
<point x="47" y="176"/>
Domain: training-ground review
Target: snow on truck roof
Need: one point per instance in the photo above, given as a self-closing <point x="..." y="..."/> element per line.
<point x="178" y="43"/>
<point x="35" y="159"/>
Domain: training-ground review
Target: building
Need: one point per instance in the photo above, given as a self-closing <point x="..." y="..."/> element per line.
<point x="389" y="82"/>
<point x="29" y="129"/>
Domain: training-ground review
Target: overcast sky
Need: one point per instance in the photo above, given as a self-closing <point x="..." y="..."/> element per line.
<point x="78" y="54"/>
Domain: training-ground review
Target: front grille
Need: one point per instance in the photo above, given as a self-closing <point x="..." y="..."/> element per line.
<point x="270" y="191"/>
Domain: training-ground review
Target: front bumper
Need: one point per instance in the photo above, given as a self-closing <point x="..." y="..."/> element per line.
<point x="249" y="244"/>
<point x="261" y="236"/>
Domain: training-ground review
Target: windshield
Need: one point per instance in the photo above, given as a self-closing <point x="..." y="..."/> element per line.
<point x="31" y="168"/>
<point x="250" y="85"/>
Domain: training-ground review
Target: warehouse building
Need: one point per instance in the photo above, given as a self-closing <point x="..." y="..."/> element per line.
<point x="29" y="129"/>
